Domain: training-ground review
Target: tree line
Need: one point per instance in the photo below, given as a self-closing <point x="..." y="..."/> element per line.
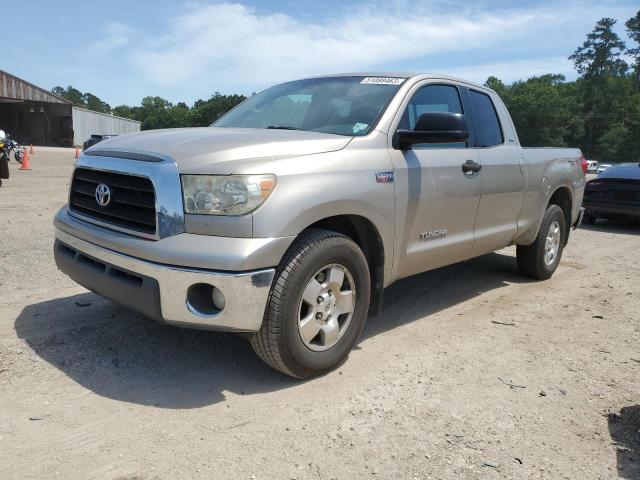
<point x="157" y="112"/>
<point x="598" y="112"/>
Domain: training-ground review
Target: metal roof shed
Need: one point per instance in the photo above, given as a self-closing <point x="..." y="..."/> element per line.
<point x="32" y="114"/>
<point x="87" y="123"/>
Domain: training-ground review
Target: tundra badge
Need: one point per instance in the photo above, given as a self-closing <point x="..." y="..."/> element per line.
<point x="433" y="234"/>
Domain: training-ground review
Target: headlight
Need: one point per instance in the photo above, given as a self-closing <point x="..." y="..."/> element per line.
<point x="225" y="195"/>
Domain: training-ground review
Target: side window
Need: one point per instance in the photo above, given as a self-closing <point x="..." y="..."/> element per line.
<point x="432" y="98"/>
<point x="487" y="124"/>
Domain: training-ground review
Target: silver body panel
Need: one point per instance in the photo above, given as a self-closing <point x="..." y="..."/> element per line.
<point x="246" y="292"/>
<point x="547" y="170"/>
<point x="198" y="150"/>
<point x="432" y="215"/>
<point x="186" y="249"/>
<point x="429" y="187"/>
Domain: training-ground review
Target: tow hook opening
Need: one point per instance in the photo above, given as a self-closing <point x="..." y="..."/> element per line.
<point x="205" y="300"/>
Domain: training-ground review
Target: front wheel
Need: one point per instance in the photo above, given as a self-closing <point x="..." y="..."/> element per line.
<point x="540" y="259"/>
<point x="317" y="306"/>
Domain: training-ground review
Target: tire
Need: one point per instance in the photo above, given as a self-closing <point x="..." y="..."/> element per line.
<point x="532" y="261"/>
<point x="279" y="342"/>
<point x="589" y="219"/>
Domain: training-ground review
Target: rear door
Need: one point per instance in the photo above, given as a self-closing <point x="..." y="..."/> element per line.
<point x="502" y="175"/>
<point x="436" y="202"/>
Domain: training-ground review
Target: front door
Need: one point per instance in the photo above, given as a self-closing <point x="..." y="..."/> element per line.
<point x="436" y="202"/>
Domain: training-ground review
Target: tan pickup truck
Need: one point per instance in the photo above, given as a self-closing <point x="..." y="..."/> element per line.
<point x="287" y="218"/>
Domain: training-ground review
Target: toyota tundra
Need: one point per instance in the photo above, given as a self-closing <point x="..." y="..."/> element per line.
<point x="286" y="219"/>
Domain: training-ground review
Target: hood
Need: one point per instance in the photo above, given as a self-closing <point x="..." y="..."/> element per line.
<point x="231" y="150"/>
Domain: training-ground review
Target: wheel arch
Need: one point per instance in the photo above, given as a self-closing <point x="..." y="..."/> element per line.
<point x="367" y="236"/>
<point x="563" y="198"/>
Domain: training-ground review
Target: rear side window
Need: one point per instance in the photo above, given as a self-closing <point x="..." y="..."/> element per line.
<point x="487" y="124"/>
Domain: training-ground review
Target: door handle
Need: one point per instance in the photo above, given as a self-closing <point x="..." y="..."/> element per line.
<point x="471" y="167"/>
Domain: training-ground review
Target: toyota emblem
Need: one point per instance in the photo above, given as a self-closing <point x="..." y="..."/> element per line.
<point x="103" y="195"/>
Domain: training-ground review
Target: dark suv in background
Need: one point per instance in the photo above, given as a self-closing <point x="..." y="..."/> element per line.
<point x="614" y="194"/>
<point x="95" y="139"/>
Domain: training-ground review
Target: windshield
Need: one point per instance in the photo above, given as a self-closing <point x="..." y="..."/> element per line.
<point x="339" y="105"/>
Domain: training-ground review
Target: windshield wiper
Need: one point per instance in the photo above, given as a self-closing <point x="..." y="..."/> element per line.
<point x="282" y="127"/>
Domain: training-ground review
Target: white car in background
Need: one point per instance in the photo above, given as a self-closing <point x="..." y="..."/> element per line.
<point x="603" y="167"/>
<point x="592" y="166"/>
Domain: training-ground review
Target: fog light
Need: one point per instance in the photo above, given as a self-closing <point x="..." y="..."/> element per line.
<point x="205" y="299"/>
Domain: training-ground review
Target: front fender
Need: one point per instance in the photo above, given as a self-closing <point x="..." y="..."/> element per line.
<point x="316" y="187"/>
<point x="302" y="200"/>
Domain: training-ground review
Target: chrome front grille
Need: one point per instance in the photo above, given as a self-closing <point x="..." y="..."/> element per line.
<point x="131" y="205"/>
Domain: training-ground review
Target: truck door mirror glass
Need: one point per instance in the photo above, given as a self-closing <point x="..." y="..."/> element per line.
<point x="433" y="128"/>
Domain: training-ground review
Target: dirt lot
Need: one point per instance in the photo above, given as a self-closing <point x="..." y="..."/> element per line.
<point x="471" y="372"/>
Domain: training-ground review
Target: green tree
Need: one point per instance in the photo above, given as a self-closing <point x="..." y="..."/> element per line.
<point x="602" y="85"/>
<point x="600" y="53"/>
<point x="179" y="116"/>
<point x="82" y="100"/>
<point x="497" y="86"/>
<point x="543" y="111"/>
<point x="157" y="112"/>
<point x="154" y="113"/>
<point x="94" y="103"/>
<point x="74" y="95"/>
<point x="205" y="112"/>
<point x="60" y="91"/>
<point x="124" y="111"/>
<point x="620" y="142"/>
<point x="629" y="149"/>
<point x="633" y="31"/>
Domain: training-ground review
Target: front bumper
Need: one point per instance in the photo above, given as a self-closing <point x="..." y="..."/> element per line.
<point x="159" y="291"/>
<point x="186" y="249"/>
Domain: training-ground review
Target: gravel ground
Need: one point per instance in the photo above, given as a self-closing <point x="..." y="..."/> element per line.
<point x="470" y="372"/>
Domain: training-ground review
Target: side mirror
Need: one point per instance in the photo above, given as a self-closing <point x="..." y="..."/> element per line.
<point x="434" y="127"/>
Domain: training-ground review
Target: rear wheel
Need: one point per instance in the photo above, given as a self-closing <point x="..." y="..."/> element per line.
<point x="540" y="259"/>
<point x="317" y="306"/>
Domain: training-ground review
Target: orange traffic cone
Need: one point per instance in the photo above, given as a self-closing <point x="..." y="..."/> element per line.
<point x="77" y="153"/>
<point x="25" y="162"/>
<point x="31" y="150"/>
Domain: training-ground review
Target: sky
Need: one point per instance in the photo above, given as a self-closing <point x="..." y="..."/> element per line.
<point x="124" y="50"/>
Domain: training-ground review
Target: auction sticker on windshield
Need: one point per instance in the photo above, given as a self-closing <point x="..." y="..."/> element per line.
<point x="360" y="127"/>
<point x="382" y="81"/>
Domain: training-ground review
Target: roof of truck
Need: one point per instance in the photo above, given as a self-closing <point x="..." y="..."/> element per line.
<point x="416" y="75"/>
